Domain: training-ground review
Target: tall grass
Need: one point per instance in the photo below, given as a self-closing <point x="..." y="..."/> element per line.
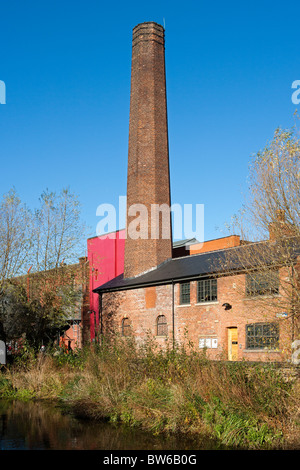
<point x="174" y="390"/>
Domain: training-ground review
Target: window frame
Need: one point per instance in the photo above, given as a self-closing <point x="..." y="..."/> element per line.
<point x="161" y="326"/>
<point x="185" y="297"/>
<point x="209" y="288"/>
<point x="126" y="329"/>
<point x="259" y="283"/>
<point x="262" y="338"/>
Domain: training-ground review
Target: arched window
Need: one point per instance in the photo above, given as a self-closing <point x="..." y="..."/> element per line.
<point x="162" y="326"/>
<point x="126" y="327"/>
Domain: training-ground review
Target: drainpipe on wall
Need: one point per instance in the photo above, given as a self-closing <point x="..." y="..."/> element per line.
<point x="100" y="314"/>
<point x="173" y="314"/>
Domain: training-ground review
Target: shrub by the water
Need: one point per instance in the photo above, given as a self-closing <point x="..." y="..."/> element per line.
<point x="173" y="390"/>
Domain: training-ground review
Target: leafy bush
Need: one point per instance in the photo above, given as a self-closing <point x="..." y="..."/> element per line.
<point x="174" y="390"/>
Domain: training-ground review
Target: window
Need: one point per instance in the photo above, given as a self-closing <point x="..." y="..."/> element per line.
<point x="185" y="293"/>
<point x="207" y="290"/>
<point x="262" y="283"/>
<point x="162" y="327"/>
<point x="262" y="336"/>
<point x="126" y="327"/>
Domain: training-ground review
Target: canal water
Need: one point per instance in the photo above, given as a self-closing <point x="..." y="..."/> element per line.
<point x="42" y="426"/>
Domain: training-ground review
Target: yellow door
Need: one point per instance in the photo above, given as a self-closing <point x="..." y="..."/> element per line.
<point x="232" y="344"/>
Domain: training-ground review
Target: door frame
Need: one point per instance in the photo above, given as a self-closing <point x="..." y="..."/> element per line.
<point x="232" y="340"/>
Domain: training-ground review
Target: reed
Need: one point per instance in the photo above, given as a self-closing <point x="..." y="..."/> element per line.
<point x="173" y="390"/>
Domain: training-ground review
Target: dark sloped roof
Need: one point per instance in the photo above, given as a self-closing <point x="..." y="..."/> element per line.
<point x="205" y="264"/>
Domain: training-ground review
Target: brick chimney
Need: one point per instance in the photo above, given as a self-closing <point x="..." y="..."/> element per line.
<point x="148" y="180"/>
<point x="280" y="228"/>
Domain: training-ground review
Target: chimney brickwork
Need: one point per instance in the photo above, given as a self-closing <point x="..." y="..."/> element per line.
<point x="280" y="228"/>
<point x="148" y="180"/>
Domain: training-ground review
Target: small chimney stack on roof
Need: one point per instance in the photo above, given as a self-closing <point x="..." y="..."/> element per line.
<point x="280" y="228"/>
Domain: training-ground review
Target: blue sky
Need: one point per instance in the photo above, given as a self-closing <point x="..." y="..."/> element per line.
<point x="66" y="66"/>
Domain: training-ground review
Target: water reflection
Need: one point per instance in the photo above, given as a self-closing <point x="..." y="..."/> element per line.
<point x="36" y="425"/>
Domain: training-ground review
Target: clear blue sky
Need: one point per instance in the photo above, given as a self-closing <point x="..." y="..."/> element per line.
<point x="66" y="66"/>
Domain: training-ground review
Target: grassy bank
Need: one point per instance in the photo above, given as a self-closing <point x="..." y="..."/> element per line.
<point x="175" y="391"/>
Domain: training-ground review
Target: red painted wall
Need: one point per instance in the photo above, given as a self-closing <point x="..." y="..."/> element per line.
<point x="106" y="261"/>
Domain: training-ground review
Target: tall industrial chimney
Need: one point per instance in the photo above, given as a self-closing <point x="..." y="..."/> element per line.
<point x="148" y="180"/>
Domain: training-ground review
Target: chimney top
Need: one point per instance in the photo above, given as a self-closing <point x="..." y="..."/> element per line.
<point x="148" y="31"/>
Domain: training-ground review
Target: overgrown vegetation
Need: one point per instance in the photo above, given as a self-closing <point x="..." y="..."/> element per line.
<point x="41" y="283"/>
<point x="165" y="391"/>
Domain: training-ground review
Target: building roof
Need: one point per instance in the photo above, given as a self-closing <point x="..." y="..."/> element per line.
<point x="229" y="260"/>
<point x="186" y="242"/>
<point x="177" y="244"/>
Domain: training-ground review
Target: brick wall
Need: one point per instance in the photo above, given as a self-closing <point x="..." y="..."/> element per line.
<point x="216" y="244"/>
<point x="194" y="322"/>
<point x="76" y="278"/>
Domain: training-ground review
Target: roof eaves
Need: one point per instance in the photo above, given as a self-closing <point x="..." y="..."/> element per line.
<point x="134" y="284"/>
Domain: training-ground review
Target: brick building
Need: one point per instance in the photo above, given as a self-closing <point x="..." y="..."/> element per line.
<point x="62" y="292"/>
<point x="193" y="298"/>
<point x="106" y="261"/>
<point x="105" y="256"/>
<point x="211" y="293"/>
